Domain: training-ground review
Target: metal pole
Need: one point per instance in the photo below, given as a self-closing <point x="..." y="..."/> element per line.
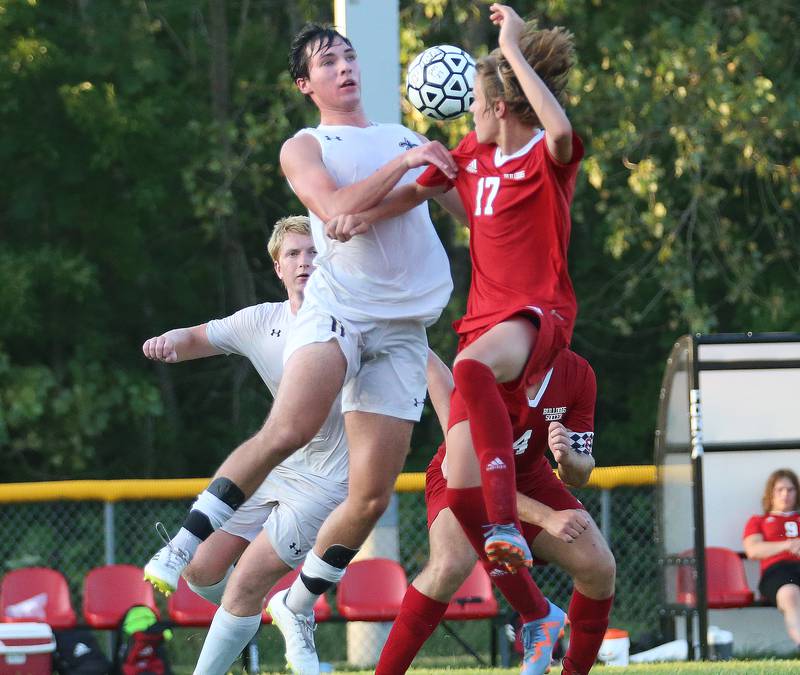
<point x="108" y="523"/>
<point x="696" y="430"/>
<point x="605" y="514"/>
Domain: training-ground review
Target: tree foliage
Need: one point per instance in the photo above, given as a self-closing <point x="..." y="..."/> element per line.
<point x="139" y="177"/>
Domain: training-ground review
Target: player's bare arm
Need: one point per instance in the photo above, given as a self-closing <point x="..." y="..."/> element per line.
<point x="301" y="161"/>
<point x="574" y="468"/>
<point x="450" y="201"/>
<point x="558" y="130"/>
<point x="756" y="548"/>
<point x="180" y="344"/>
<point x="346" y="226"/>
<point x="565" y="525"/>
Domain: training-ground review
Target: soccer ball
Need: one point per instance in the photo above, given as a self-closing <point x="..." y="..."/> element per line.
<point x="439" y="82"/>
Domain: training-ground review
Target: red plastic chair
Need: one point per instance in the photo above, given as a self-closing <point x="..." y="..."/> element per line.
<point x="725" y="578"/>
<point x="371" y="590"/>
<point x="186" y="608"/>
<point x="111" y="590"/>
<point x="24" y="585"/>
<point x="322" y="608"/>
<point x="474" y="598"/>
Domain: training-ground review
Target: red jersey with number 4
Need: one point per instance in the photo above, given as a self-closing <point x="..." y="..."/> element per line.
<point x="518" y="208"/>
<point x="775" y="527"/>
<point x="567" y="395"/>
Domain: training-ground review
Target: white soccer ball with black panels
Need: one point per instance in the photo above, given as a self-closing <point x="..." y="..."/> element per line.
<point x="439" y="82"/>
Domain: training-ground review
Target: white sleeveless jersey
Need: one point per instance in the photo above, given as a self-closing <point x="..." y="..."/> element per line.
<point x="259" y="334"/>
<point x="397" y="270"/>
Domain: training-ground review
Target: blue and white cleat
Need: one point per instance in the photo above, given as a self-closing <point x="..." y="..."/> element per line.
<point x="504" y="545"/>
<point x="538" y="640"/>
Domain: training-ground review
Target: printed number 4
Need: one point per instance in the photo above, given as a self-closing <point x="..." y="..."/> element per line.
<point x="521" y="444"/>
<point x="490" y="185"/>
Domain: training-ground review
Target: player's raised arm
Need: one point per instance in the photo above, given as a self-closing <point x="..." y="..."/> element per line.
<point x="301" y="161"/>
<point x="554" y="120"/>
<point x="180" y="344"/>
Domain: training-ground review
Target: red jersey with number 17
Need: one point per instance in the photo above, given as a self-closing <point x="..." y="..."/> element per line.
<point x="518" y="208"/>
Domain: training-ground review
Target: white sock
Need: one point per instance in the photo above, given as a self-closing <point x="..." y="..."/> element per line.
<point x="213" y="593"/>
<point x="217" y="511"/>
<point x="187" y="541"/>
<point x="226" y="639"/>
<point x="300" y="599"/>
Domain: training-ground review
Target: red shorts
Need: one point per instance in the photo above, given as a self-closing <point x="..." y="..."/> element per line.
<point x="542" y="485"/>
<point x="555" y="334"/>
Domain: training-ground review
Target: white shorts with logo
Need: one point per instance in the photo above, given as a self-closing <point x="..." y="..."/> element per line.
<point x="386" y="360"/>
<point x="290" y="508"/>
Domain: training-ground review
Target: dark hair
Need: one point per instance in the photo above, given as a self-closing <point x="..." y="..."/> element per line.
<point x="774" y="477"/>
<point x="310" y="34"/>
<point x="550" y="52"/>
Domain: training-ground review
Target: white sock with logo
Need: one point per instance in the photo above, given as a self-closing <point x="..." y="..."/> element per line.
<point x="226" y="639"/>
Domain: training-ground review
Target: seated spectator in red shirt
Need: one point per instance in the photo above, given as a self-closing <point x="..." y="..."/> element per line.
<point x="774" y="539"/>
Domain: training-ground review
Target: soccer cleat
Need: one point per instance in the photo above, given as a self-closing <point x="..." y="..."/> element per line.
<point x="504" y="545"/>
<point x="165" y="567"/>
<point x="539" y="637"/>
<point x="298" y="632"/>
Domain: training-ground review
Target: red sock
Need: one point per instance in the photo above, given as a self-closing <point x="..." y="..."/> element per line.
<point x="519" y="589"/>
<point x="492" y="436"/>
<point x="418" y="618"/>
<point x="588" y="621"/>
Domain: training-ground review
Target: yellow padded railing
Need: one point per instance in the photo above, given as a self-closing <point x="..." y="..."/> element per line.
<point x="605" y="478"/>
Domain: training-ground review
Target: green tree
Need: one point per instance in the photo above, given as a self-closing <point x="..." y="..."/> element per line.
<point x="139" y="175"/>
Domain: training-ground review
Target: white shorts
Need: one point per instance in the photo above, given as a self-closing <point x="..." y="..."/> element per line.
<point x="290" y="508"/>
<point x="386" y="360"/>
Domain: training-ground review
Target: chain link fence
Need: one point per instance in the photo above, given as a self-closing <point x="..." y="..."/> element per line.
<point x="75" y="536"/>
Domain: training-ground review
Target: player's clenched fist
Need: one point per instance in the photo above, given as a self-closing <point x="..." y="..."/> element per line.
<point x="160" y="348"/>
<point x="558" y="441"/>
<point x="567" y="525"/>
<point x="345" y="227"/>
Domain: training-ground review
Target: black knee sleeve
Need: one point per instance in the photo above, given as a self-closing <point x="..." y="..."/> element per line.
<point x="314" y="585"/>
<point x="339" y="556"/>
<point x="227" y="491"/>
<point x="198" y="524"/>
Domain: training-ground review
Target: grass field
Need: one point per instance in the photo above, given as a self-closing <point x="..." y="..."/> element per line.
<point x="769" y="667"/>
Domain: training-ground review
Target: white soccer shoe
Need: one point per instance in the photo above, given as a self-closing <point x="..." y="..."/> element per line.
<point x="165" y="567"/>
<point x="298" y="632"/>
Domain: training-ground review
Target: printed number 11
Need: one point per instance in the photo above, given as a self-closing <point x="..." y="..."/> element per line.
<point x="491" y="184"/>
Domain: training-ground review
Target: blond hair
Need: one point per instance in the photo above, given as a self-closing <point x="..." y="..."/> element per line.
<point x="296" y="224"/>
<point x="550" y="52"/>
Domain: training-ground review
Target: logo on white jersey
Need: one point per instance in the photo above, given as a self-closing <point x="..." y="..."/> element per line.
<point x="517" y="175"/>
<point x="496" y="464"/>
<point x="554" y="414"/>
<point x="472" y="167"/>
